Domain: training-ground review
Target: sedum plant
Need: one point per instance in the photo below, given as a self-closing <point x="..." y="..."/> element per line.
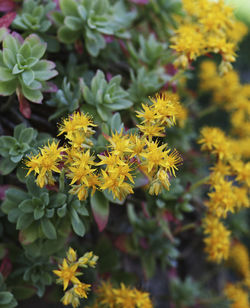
<point x="91" y="19"/>
<point x="7" y="299"/>
<point x="151" y="52"/>
<point x="43" y="214"/>
<point x="33" y="17"/>
<point x="22" y="70"/>
<point x="13" y="149"/>
<point x="65" y="100"/>
<point x="105" y="97"/>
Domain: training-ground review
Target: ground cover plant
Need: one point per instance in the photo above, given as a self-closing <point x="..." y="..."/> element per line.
<point x="124" y="153"/>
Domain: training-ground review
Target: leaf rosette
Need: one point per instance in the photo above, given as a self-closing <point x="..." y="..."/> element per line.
<point x="22" y="70"/>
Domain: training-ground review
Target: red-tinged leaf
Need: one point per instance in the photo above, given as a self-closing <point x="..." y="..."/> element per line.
<point x="79" y="47"/>
<point x="50" y="87"/>
<point x="24" y="105"/>
<point x="121" y="243"/>
<point x="7" y="5"/>
<point x="100" y="209"/>
<point x="6" y="267"/>
<point x="3" y="189"/>
<point x="7" y="19"/>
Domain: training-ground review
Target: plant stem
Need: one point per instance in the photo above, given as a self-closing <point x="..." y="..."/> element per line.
<point x="199" y="183"/>
<point x="207" y="111"/>
<point x="184" y="228"/>
<point x="7" y="105"/>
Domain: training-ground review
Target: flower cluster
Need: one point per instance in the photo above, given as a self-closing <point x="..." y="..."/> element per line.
<point x="46" y="162"/>
<point x="208" y="26"/>
<point x="110" y="297"/>
<point x="237" y="295"/>
<point x="126" y="153"/>
<point x="239" y="261"/>
<point x="229" y="180"/>
<point x="68" y="272"/>
<point x="236" y="101"/>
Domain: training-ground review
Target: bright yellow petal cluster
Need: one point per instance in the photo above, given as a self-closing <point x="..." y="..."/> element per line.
<point x="123" y="297"/>
<point x="217" y="240"/>
<point x="46" y="162"/>
<point x="239" y="259"/>
<point x="68" y="272"/>
<point x="237" y="295"/>
<point x="126" y="153"/>
<point x="77" y="129"/>
<point x="207" y="26"/>
<point x="228" y="93"/>
<point x="229" y="189"/>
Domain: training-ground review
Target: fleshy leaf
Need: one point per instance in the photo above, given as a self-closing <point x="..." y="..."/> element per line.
<point x="100" y="209"/>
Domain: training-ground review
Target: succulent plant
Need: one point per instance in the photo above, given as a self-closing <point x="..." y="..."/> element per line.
<point x="38" y="272"/>
<point x="22" y="70"/>
<point x="7" y="299"/>
<point x="13" y="149"/>
<point x="92" y="19"/>
<point x="105" y="97"/>
<point x="33" y="17"/>
<point x="40" y="213"/>
<point x="151" y="52"/>
<point x="145" y="82"/>
<point x="65" y="100"/>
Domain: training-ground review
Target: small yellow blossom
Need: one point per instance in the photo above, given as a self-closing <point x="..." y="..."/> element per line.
<point x="217" y="242"/>
<point x="67" y="273"/>
<point x="239" y="259"/>
<point x="46" y="162"/>
<point x="237" y="295"/>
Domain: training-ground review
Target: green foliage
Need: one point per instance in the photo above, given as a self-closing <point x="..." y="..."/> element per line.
<point x="91" y="19"/>
<point x="149" y="243"/>
<point x="65" y="100"/>
<point x="21" y="68"/>
<point x="144" y="83"/>
<point x="184" y="293"/>
<point x="13" y="149"/>
<point x="39" y="273"/>
<point x="105" y="97"/>
<point x="40" y="213"/>
<point x="33" y="17"/>
<point x="7" y="299"/>
<point x="176" y="200"/>
<point x="151" y="53"/>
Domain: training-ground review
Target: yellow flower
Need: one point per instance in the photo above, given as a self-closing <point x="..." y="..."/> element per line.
<point x="172" y="161"/>
<point x="114" y="184"/>
<point x="81" y="289"/>
<point x="119" y="143"/>
<point x="71" y="255"/>
<point x="148" y="114"/>
<point x="67" y="273"/>
<point x="217" y="243"/>
<point x="237" y="295"/>
<point x="214" y="140"/>
<point x="44" y="163"/>
<point x="76" y="121"/>
<point x="151" y="131"/>
<point x="154" y="155"/>
<point x="88" y="259"/>
<point x="239" y="259"/>
<point x="222" y="199"/>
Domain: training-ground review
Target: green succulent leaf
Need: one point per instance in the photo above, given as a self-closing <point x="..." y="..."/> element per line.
<point x="48" y="229"/>
<point x="77" y="223"/>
